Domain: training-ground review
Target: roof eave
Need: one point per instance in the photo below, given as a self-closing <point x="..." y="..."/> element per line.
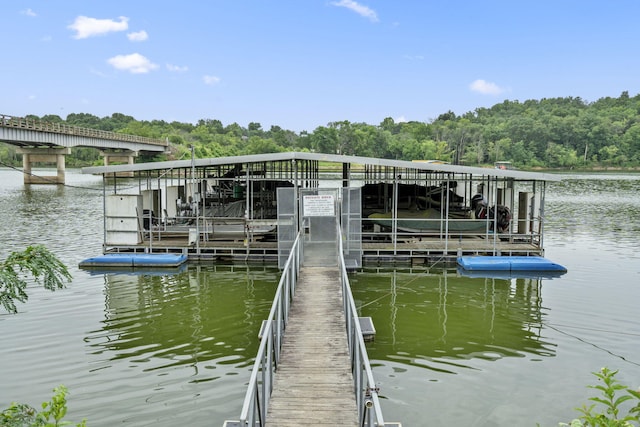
<point x="334" y="158"/>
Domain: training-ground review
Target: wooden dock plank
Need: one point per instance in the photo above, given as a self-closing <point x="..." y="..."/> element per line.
<point x="313" y="384"/>
<point x="415" y="251"/>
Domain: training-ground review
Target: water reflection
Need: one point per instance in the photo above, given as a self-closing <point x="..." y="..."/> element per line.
<point x="165" y="349"/>
<point x="441" y="320"/>
<point x="192" y="318"/>
<point x="66" y="219"/>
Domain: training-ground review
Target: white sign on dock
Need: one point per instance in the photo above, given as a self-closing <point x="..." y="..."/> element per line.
<point x="319" y="205"/>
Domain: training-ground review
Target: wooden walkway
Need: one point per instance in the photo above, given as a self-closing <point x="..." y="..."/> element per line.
<point x="313" y="384"/>
<point x="415" y="252"/>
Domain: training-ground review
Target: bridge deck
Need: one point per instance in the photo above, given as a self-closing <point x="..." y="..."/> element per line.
<point x="313" y="384"/>
<point x="28" y="132"/>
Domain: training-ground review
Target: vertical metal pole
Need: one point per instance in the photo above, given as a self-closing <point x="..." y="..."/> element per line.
<point x="394" y="224"/>
<point x="193" y="187"/>
<point x="249" y="194"/>
<point x="160" y="212"/>
<point x="296" y="197"/>
<point x="495" y="216"/>
<point x="541" y="226"/>
<point x="149" y="217"/>
<point x="248" y="212"/>
<point x="104" y="211"/>
<point x="446" y="218"/>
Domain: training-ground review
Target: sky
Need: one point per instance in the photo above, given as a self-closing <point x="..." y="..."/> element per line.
<point x="301" y="64"/>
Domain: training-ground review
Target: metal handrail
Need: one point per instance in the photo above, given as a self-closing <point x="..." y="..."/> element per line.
<point x="256" y="401"/>
<point x="42" y="126"/>
<point x="367" y="399"/>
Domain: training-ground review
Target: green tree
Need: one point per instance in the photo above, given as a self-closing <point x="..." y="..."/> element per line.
<point x="36" y="261"/>
<point x="83" y="120"/>
<point x="405" y="147"/>
<point x="346" y="137"/>
<point x="258" y="145"/>
<point x="234" y="129"/>
<point x="560" y="156"/>
<point x="8" y="155"/>
<point x="324" y="140"/>
<point x="254" y="129"/>
<point x="548" y="132"/>
<point x="141" y="129"/>
<point x="215" y="126"/>
<point x="609" y="407"/>
<point x="284" y="138"/>
<point x="389" y="125"/>
<point x="631" y="142"/>
<point x="116" y="122"/>
<point x="52" y="414"/>
<point x="52" y="118"/>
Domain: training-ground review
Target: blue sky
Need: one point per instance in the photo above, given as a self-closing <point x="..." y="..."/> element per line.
<point x="304" y="63"/>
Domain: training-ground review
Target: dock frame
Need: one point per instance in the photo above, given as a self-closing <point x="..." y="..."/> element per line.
<point x="200" y="193"/>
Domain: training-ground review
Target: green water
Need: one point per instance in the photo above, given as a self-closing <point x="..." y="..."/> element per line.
<point x="177" y="349"/>
<point x="428" y="319"/>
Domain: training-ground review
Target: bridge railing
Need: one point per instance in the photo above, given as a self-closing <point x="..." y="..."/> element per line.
<point x="256" y="402"/>
<point x="42" y="126"/>
<point x="367" y="399"/>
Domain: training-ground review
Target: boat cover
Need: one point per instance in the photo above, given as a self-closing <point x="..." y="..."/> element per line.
<point x="508" y="263"/>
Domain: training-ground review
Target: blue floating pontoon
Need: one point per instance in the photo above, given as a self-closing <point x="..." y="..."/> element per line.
<point x="134" y="260"/>
<point x="508" y="263"/>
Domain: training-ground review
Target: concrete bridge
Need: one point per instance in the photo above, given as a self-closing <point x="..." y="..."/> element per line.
<point x="45" y="142"/>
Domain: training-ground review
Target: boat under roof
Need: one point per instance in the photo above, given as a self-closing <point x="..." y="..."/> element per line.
<point x="419" y="212"/>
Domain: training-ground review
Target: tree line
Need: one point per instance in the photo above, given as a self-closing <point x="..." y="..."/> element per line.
<point x="548" y="133"/>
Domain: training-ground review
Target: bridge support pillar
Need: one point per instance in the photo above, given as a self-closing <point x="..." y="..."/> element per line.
<point x="127" y="157"/>
<point x="31" y="156"/>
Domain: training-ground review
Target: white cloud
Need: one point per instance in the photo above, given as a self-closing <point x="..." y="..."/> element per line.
<point x="89" y="27"/>
<point x="358" y="8"/>
<point x="134" y="63"/>
<point x="211" y="80"/>
<point x="31" y="97"/>
<point x="485" y="87"/>
<point x="28" y="12"/>
<point x="400" y="119"/>
<point x="138" y="36"/>
<point x="177" y="68"/>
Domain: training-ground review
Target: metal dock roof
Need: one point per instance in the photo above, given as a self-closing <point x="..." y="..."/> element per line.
<point x="332" y="158"/>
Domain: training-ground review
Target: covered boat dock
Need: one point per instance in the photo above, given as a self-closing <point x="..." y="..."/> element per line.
<point x="247" y="208"/>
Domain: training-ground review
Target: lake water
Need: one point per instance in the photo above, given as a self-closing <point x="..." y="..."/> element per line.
<point x="177" y="349"/>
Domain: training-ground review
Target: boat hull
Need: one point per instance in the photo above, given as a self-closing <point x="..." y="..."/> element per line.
<point x="428" y="222"/>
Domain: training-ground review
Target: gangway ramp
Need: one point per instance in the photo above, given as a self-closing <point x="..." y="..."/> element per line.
<point x="312" y="366"/>
<point x="314" y="385"/>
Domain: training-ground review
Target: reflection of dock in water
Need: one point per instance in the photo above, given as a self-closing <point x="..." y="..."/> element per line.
<point x="188" y="317"/>
<point x="432" y="320"/>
